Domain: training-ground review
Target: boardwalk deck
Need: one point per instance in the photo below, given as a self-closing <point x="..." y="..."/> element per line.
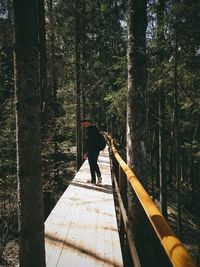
<point x="81" y="230"/>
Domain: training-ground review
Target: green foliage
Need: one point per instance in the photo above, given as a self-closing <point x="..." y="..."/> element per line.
<point x="180" y="20"/>
<point x="116" y="96"/>
<point x="117" y="105"/>
<point x="103" y="50"/>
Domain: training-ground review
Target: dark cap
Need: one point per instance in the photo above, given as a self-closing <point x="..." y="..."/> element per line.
<point x="85" y="120"/>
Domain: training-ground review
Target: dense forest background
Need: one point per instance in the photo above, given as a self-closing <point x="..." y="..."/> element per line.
<point x="84" y="74"/>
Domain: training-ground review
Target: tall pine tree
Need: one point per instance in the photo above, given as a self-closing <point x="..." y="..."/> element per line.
<point x="30" y="196"/>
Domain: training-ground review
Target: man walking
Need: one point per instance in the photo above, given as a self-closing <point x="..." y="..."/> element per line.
<point x="92" y="149"/>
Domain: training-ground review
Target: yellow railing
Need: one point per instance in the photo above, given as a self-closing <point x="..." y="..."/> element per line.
<point x="173" y="247"/>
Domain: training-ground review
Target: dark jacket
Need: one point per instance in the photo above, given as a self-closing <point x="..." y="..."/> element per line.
<point x="92" y="139"/>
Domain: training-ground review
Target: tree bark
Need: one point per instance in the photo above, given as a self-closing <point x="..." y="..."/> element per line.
<point x="136" y="114"/>
<point x="45" y="95"/>
<point x="171" y="155"/>
<point x="30" y="196"/>
<point x="53" y="76"/>
<point x="162" y="159"/>
<point x="83" y="71"/>
<point x="78" y="85"/>
<point x="176" y="137"/>
<point x="137" y="23"/>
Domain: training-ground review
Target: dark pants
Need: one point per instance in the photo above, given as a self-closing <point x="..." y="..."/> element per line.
<point x="94" y="167"/>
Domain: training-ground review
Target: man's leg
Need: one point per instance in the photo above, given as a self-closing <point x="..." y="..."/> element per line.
<point x="96" y="166"/>
<point x="92" y="167"/>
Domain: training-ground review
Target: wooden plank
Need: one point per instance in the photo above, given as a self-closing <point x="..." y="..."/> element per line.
<point x="82" y="228"/>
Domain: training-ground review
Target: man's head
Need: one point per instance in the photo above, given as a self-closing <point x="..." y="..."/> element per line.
<point x="86" y="123"/>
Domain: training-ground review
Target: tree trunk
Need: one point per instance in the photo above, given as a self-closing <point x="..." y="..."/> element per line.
<point x="151" y="162"/>
<point x="194" y="166"/>
<point x="53" y="76"/>
<point x="30" y="196"/>
<point x="53" y="86"/>
<point x="83" y="71"/>
<point x="177" y="136"/>
<point x="157" y="168"/>
<point x="78" y="86"/>
<point x="162" y="172"/>
<point x="136" y="126"/>
<point x="171" y="156"/>
<point x="45" y="96"/>
<point x="137" y="23"/>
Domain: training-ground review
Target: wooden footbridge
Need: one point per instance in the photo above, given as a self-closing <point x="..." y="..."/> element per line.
<point x="82" y="229"/>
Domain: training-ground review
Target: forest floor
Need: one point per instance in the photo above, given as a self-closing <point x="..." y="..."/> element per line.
<point x="52" y="192"/>
<point x="11" y="250"/>
<point x="190" y="216"/>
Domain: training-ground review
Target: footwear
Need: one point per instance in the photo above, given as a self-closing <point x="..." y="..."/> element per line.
<point x="91" y="182"/>
<point x="99" y="180"/>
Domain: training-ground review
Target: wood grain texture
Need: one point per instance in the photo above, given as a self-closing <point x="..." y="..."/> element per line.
<point x="81" y="230"/>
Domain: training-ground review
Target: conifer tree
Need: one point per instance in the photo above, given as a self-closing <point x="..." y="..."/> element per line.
<point x="136" y="139"/>
<point x="30" y="196"/>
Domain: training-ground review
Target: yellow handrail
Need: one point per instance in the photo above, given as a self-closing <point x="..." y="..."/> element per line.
<point x="175" y="250"/>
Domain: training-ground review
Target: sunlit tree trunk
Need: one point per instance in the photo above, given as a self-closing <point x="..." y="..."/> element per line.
<point x="83" y="71"/>
<point x="162" y="158"/>
<point x="30" y="196"/>
<point x="78" y="84"/>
